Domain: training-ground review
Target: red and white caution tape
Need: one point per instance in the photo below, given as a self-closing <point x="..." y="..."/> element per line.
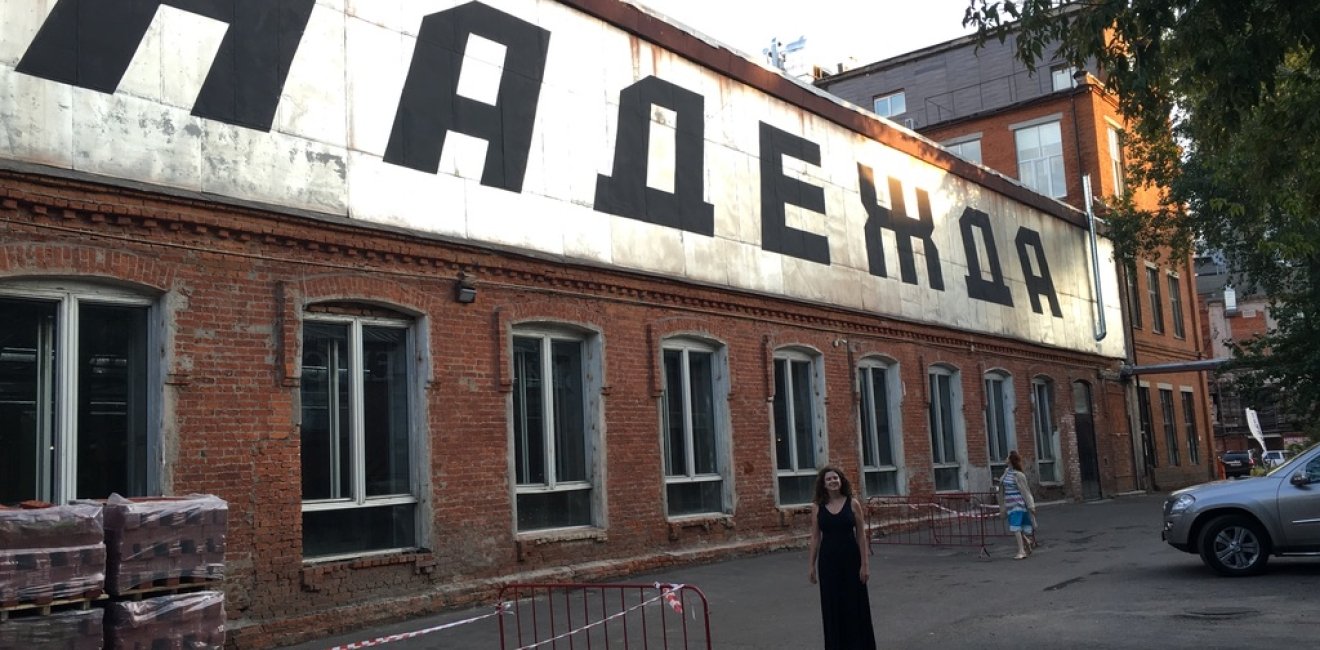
<point x="502" y="608"/>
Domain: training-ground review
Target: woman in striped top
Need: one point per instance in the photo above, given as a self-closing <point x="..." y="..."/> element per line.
<point x="1017" y="504"/>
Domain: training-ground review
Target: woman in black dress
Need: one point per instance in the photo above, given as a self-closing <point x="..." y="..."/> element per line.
<point x="839" y="560"/>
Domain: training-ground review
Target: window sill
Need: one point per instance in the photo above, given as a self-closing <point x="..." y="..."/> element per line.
<point x="788" y="513"/>
<point x="316" y="571"/>
<point x="706" y="522"/>
<point x="525" y="542"/>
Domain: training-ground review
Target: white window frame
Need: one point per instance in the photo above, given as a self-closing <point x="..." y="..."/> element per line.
<point x="959" y="433"/>
<point x="888" y="101"/>
<point x="1000" y="461"/>
<point x="591" y="414"/>
<point x="1052" y="165"/>
<point x="1062" y="77"/>
<point x="893" y="391"/>
<point x="959" y="148"/>
<point x="1176" y="306"/>
<point x="721" y="416"/>
<point x="1115" y="134"/>
<point x="359" y="498"/>
<point x="1045" y="424"/>
<point x="818" y="433"/>
<point x="58" y="478"/>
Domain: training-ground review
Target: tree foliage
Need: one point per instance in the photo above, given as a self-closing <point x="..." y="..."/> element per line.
<point x="1222" y="99"/>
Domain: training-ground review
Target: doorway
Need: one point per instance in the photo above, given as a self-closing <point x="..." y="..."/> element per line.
<point x="1087" y="456"/>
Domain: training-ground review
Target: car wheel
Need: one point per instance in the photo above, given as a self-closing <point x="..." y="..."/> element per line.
<point x="1234" y="545"/>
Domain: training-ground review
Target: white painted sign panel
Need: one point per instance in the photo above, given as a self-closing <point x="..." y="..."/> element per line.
<point x="526" y="123"/>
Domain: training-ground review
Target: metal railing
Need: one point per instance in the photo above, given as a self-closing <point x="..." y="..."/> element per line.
<point x="943" y="519"/>
<point x="604" y="616"/>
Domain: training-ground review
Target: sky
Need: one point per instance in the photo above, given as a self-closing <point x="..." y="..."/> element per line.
<point x="867" y="30"/>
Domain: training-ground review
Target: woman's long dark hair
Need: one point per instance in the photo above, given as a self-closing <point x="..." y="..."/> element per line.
<point x="1015" y="460"/>
<point x="823" y="495"/>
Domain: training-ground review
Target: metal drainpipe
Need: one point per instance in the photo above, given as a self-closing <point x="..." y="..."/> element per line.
<point x="1099" y="328"/>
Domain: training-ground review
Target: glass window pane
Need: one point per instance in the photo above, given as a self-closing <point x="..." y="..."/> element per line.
<point x="694" y="498"/>
<point x="112" y="401"/>
<point x="387" y="443"/>
<point x="783" y="435"/>
<point x="675" y="441"/>
<point x="881" y="482"/>
<point x="703" y="412"/>
<point x="326" y="424"/>
<point x="359" y="530"/>
<point x="897" y="104"/>
<point x="946" y="479"/>
<point x="559" y="509"/>
<point x="936" y="438"/>
<point x="1189" y="423"/>
<point x="946" y="418"/>
<point x="880" y="400"/>
<point x="27" y="362"/>
<point x="796" y="489"/>
<point x="528" y="412"/>
<point x="869" y="455"/>
<point x="803" y="414"/>
<point x="570" y="404"/>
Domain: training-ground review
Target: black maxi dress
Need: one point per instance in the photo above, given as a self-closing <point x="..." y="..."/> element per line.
<point x="845" y="606"/>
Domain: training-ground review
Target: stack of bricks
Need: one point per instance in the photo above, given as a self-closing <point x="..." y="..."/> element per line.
<point x="51" y="555"/>
<point x="194" y="621"/>
<point x="68" y="630"/>
<point x="164" y="542"/>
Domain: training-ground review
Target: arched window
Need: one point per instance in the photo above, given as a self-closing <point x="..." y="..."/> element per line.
<point x="359" y="487"/>
<point x="79" y="388"/>
<point x="882" y="437"/>
<point x="1047" y="432"/>
<point x="999" y="419"/>
<point x="694" y="409"/>
<point x="948" y="441"/>
<point x="799" y="412"/>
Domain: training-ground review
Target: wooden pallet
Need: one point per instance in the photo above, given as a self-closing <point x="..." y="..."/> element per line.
<point x="47" y="608"/>
<point x="169" y="586"/>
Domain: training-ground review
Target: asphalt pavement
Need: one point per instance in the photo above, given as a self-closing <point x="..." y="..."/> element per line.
<point x="1101" y="578"/>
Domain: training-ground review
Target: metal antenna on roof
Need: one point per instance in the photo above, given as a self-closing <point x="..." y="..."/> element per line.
<point x="777" y="53"/>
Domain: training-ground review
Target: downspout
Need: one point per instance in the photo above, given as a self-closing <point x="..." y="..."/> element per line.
<point x="1099" y="327"/>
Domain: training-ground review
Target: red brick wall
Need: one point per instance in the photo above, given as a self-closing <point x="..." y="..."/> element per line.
<point x="233" y="283"/>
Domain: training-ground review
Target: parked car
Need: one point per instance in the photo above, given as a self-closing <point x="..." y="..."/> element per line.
<point x="1237" y="463"/>
<point x="1236" y="526"/>
<point x="1274" y="457"/>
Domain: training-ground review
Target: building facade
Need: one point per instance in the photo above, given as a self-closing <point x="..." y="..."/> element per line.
<point x="440" y="298"/>
<point x="1048" y="129"/>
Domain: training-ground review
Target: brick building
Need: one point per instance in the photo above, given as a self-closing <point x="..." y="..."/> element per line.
<point x="537" y="289"/>
<point x="1050" y="129"/>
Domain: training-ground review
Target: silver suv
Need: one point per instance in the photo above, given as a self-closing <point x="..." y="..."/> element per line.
<point x="1237" y="525"/>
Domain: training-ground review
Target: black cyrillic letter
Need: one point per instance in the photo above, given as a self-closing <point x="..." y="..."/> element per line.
<point x="1037" y="285"/>
<point x="431" y="106"/>
<point x="903" y="227"/>
<point x="90" y="44"/>
<point x="626" y="194"/>
<point x="778" y="190"/>
<point x="995" y="289"/>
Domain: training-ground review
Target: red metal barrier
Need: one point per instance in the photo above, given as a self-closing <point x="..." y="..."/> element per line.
<point x="604" y="616"/>
<point x="944" y="519"/>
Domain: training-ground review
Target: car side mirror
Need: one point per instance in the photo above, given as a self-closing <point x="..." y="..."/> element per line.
<point x="1299" y="479"/>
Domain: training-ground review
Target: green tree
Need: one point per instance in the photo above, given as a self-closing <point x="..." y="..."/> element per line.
<point x="1223" y="103"/>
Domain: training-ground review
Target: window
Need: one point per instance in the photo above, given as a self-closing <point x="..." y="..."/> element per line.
<point x="1061" y="77"/>
<point x="552" y="432"/>
<point x="1189" y="424"/>
<point x="1147" y="426"/>
<point x="946" y="441"/>
<point x="1040" y="159"/>
<point x="878" y="383"/>
<point x="799" y="426"/>
<point x="1170" y="426"/>
<point x="1116" y="159"/>
<point x="1156" y="302"/>
<point x="891" y="104"/>
<point x="75" y="378"/>
<point x="358" y="488"/>
<point x="1134" y="295"/>
<point x="695" y="434"/>
<point x="967" y="150"/>
<point x="1047" y="435"/>
<point x="999" y="420"/>
<point x="1175" y="306"/>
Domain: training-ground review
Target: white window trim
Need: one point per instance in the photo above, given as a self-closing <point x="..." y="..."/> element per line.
<point x="1117" y="166"/>
<point x="889" y="96"/>
<point x="1063" y="164"/>
<point x="818" y="433"/>
<point x="69" y="294"/>
<point x="592" y="367"/>
<point x="894" y="391"/>
<point x="1037" y="121"/>
<point x="959" y="425"/>
<point x="722" y="416"/>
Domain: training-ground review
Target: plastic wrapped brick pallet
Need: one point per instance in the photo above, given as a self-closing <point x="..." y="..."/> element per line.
<point x="195" y="621"/>
<point x="68" y="630"/>
<point x="164" y="539"/>
<point x="51" y="554"/>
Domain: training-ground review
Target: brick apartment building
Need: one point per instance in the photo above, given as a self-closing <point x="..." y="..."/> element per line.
<point x="523" y="289"/>
<point x="1049" y="129"/>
